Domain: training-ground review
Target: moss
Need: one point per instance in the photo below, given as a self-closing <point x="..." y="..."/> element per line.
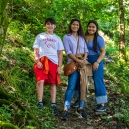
<point x="25" y="112"/>
<point x="5" y="95"/>
<point x="5" y="125"/>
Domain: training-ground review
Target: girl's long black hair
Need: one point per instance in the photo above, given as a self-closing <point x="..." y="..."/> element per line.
<point x="80" y="31"/>
<point x="95" y="44"/>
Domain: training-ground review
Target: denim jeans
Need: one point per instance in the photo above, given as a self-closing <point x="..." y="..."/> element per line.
<point x="98" y="77"/>
<point x="73" y="80"/>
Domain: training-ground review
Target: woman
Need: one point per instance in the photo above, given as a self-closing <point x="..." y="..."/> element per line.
<point x="96" y="48"/>
<point x="70" y="41"/>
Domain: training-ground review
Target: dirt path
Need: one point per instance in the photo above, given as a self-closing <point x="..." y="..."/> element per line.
<point x="96" y="120"/>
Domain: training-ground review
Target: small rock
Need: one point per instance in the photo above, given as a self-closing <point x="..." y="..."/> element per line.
<point x="113" y="122"/>
<point x="100" y="113"/>
<point x="89" y="123"/>
<point x="90" y="127"/>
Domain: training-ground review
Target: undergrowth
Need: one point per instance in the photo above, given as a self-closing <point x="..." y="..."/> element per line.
<point x="17" y="78"/>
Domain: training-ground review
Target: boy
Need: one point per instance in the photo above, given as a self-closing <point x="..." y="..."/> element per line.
<point x="48" y="61"/>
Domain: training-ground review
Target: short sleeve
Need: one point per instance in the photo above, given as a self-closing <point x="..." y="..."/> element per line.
<point x="36" y="42"/>
<point x="66" y="44"/>
<point x="101" y="42"/>
<point x="85" y="46"/>
<point x="60" y="44"/>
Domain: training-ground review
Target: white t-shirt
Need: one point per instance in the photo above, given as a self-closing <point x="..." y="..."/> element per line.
<point x="48" y="46"/>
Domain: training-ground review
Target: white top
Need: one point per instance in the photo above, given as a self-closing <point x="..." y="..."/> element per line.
<point x="48" y="46"/>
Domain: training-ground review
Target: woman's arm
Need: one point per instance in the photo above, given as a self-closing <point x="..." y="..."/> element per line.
<point x="102" y="54"/>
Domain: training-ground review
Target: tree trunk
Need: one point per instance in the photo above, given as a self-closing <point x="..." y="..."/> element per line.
<point x="122" y="49"/>
<point x="4" y="20"/>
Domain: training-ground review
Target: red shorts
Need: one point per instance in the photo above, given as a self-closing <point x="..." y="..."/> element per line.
<point x="51" y="77"/>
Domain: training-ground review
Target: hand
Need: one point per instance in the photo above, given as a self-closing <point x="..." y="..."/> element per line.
<point x="59" y="70"/>
<point x="95" y="66"/>
<point x="81" y="63"/>
<point x="39" y="65"/>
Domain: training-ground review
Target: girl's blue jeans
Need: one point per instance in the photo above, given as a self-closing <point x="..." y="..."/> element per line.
<point x="73" y="81"/>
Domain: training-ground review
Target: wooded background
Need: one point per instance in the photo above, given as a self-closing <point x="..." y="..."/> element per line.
<point x="22" y="20"/>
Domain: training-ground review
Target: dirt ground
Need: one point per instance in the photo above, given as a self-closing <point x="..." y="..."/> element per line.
<point x="96" y="120"/>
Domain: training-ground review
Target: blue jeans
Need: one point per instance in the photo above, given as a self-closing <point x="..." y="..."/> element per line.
<point x="73" y="80"/>
<point x="98" y="77"/>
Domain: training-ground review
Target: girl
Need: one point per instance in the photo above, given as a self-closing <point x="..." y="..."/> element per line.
<point x="96" y="47"/>
<point x="70" y="41"/>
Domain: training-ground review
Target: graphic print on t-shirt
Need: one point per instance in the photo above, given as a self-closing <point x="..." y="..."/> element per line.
<point x="50" y="43"/>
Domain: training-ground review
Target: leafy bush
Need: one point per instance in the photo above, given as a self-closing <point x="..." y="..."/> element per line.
<point x="118" y="72"/>
<point x="17" y="79"/>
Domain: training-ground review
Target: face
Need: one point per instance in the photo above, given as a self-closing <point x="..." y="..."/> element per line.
<point x="75" y="26"/>
<point x="50" y="27"/>
<point x="92" y="28"/>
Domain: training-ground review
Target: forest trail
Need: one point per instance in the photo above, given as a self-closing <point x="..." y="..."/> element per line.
<point x="96" y="120"/>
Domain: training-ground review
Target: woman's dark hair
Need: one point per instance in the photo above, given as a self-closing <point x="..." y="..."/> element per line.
<point x="80" y="31"/>
<point x="95" y="44"/>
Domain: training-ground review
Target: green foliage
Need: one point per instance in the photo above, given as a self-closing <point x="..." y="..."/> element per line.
<point x="18" y="80"/>
<point x="6" y="113"/>
<point x="112" y="51"/>
<point x="118" y="73"/>
<point x="6" y="125"/>
<point x="20" y="34"/>
<point x="29" y="127"/>
<point x="4" y="64"/>
<point x="27" y="20"/>
<point x="64" y="58"/>
<point x="122" y="114"/>
<point x="46" y="117"/>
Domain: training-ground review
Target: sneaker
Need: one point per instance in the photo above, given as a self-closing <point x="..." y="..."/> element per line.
<point x="76" y="104"/>
<point x="81" y="113"/>
<point x="65" y="115"/>
<point x="40" y="105"/>
<point x="100" y="108"/>
<point x="55" y="111"/>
